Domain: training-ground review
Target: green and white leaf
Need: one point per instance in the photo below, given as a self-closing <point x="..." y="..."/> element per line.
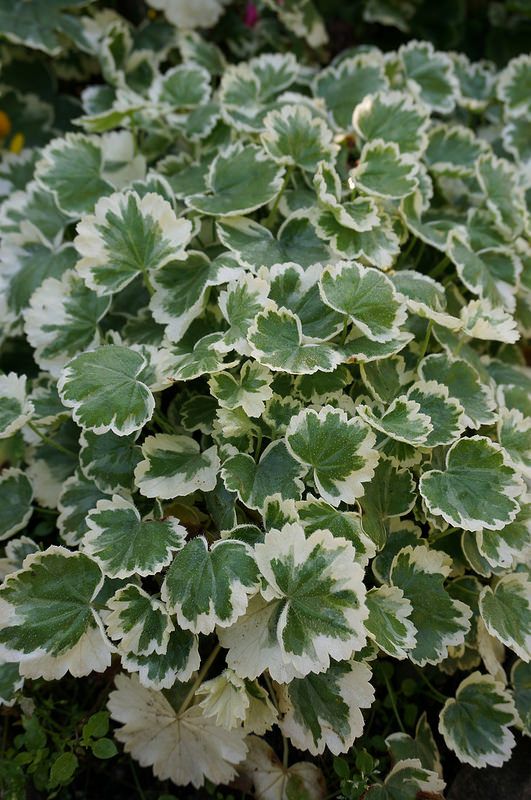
<point x="440" y="621"/>
<point x="503" y="194"/>
<point x="178" y="663"/>
<point x="392" y="117"/>
<point x="505" y="610"/>
<point x="243" y="299"/>
<point x="16" y="496"/>
<point x="182" y="87"/>
<point x="47" y="621"/>
<point x="273" y="781"/>
<point x="78" y="496"/>
<point x="11" y="682"/>
<point x="15" y="407"/>
<point x="276" y="340"/>
<point x="103" y="391"/>
<point x="174" y="466"/>
<point x="277" y="472"/>
<point x="464" y="383"/>
<point x="208" y="587"/>
<point x="384" y="171"/>
<point x="343" y="86"/>
<point x="250" y="390"/>
<point x="477" y="489"/>
<point x="430" y="76"/>
<point x="184" y="746"/>
<point x="389" y="495"/>
<point x="514" y="435"/>
<point x="241" y="179"/>
<point x="513" y="542"/>
<point x="453" y="150"/>
<point x="368" y="298"/>
<point x="402" y="420"/>
<point x="389" y="624"/>
<point x="128" y="235"/>
<point x="138" y="622"/>
<point x="491" y="273"/>
<point x="513" y="86"/>
<point x="408" y="779"/>
<point x="62" y="320"/>
<point x="445" y="412"/>
<point x="338" y="449"/>
<point x="315" y="514"/>
<point x="378" y="245"/>
<point x="521" y="681"/>
<point x="123" y="544"/>
<point x="109" y="460"/>
<point x="487" y="742"/>
<point x="324" y="711"/>
<point x="295" y="137"/>
<point x="424" y="297"/>
<point x="423" y="746"/>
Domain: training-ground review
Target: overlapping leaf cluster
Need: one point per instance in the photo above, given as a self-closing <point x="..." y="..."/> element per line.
<point x="276" y="397"/>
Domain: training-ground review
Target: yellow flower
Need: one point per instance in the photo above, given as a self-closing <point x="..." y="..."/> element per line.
<point x="5" y="125"/>
<point x="17" y="143"/>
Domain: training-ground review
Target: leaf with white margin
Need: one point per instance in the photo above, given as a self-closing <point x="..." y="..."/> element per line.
<point x="184" y="746"/>
<point x="109" y="460"/>
<point x="513" y="86"/>
<point x="392" y="117"/>
<point x="78" y="496"/>
<point x="302" y="18"/>
<point x="423" y="746"/>
<point x="379" y="245"/>
<point x="276" y="340"/>
<point x="16" y="496"/>
<point x="477" y="489"/>
<point x="521" y="681"/>
<point x="338" y="449"/>
<point x="243" y="299"/>
<point x="475" y="724"/>
<point x="367" y="296"/>
<point x="359" y="348"/>
<point x="453" y="150"/>
<point x="343" y="86"/>
<point x="272" y="780"/>
<point x="72" y="169"/>
<point x="193" y="357"/>
<point x="182" y="87"/>
<point x="516" y="137"/>
<point x="318" y="593"/>
<point x="297" y="290"/>
<point x="482" y="321"/>
<point x="424" y="297"/>
<point x="103" y="391"/>
<point x="178" y="663"/>
<point x="225" y="697"/>
<point x="295" y="137"/>
<point x="125" y="545"/>
<point x="278" y="512"/>
<point x="205" y="588"/>
<point x="514" y="435"/>
<point x="402" y="420"/>
<point x="445" y="412"/>
<point x="464" y="383"/>
<point x="316" y="514"/>
<point x="476" y="82"/>
<point x="138" y="622"/>
<point x="62" y="320"/>
<point x="277" y="472"/>
<point x="401" y="533"/>
<point x="440" y="620"/>
<point x="430" y="76"/>
<point x="174" y="466"/>
<point x="324" y="711"/>
<point x="390" y="494"/>
<point x="254" y="246"/>
<point x="323" y="386"/>
<point x="490" y="273"/>
<point x="408" y="779"/>
<point x="47" y="622"/>
<point x="513" y="542"/>
<point x="11" y="682"/>
<point x="128" y="235"/>
<point x="384" y="171"/>
<point x="241" y="179"/>
<point x="181" y="290"/>
<point x="385" y="379"/>
<point x="250" y="390"/>
<point x="389" y="624"/>
<point x="505" y="610"/>
<point x="15" y="408"/>
<point x="503" y="195"/>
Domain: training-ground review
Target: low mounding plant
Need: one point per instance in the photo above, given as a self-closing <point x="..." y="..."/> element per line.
<point x="264" y="411"/>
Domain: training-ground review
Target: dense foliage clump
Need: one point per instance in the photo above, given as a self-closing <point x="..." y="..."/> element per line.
<point x="264" y="409"/>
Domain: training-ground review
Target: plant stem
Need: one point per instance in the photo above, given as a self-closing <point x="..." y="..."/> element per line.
<point x="199" y="680"/>
<point x="439" y="267"/>
<point x="137" y="782"/>
<point x="147" y="282"/>
<point x="409" y="248"/>
<point x="425" y="343"/>
<point x="258" y="447"/>
<point x="285" y="743"/>
<point x="50" y="442"/>
<point x="438" y="695"/>
<point x="162" y="422"/>
<point x="393" y="701"/>
<point x="271" y="217"/>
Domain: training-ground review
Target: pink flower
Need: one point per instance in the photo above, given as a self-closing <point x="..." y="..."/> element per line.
<point x="251" y="15"/>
